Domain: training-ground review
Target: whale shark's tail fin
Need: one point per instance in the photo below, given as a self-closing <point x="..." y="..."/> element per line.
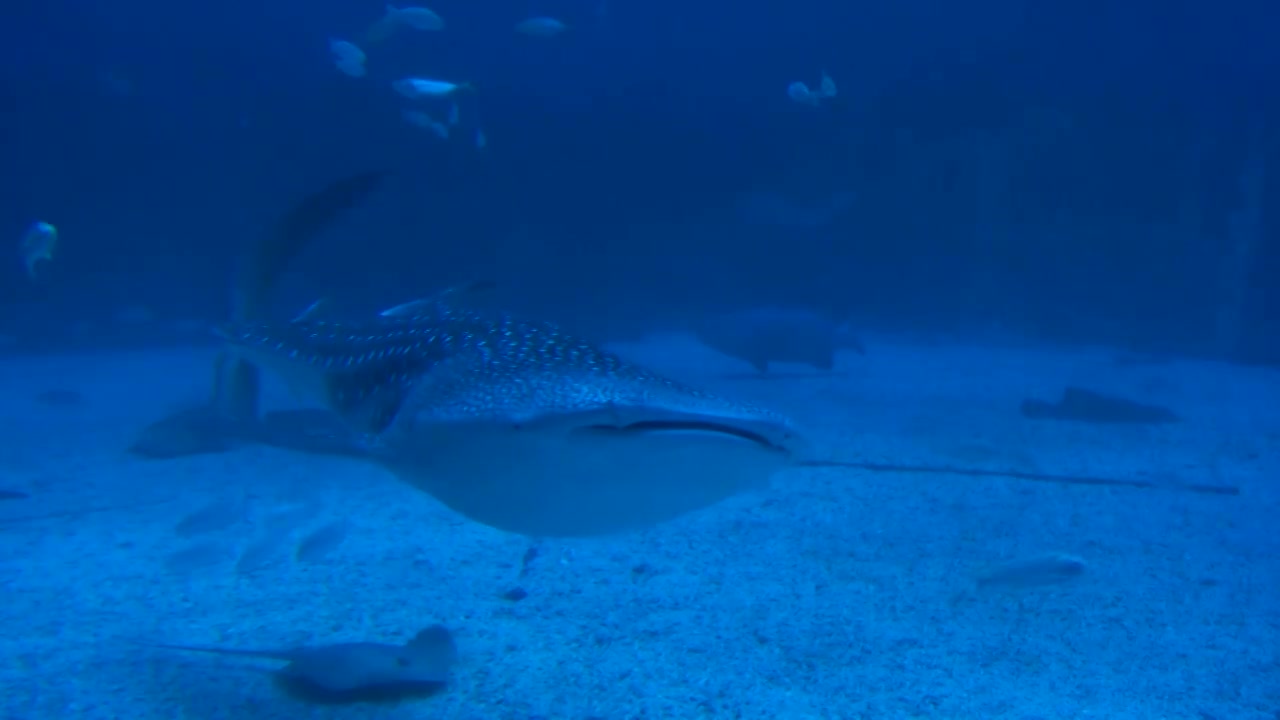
<point x="232" y="413"/>
<point x="236" y="383"/>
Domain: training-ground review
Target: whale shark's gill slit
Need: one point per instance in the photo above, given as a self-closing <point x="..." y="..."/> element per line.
<point x="361" y="401"/>
<point x="675" y="426"/>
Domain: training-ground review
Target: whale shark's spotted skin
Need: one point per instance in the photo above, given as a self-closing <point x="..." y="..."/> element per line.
<point x="517" y="368"/>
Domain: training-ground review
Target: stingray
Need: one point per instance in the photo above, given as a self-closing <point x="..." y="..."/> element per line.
<point x="762" y="336"/>
<point x="518" y="425"/>
<point x="1081" y="405"/>
<point x="348" y="672"/>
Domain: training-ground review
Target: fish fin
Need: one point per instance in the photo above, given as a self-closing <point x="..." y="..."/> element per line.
<point x="311" y="312"/>
<point x="267" y="260"/>
<point x="282" y="654"/>
<point x="236" y="382"/>
<point x="431" y="303"/>
<point x="371" y="415"/>
<point x="236" y="385"/>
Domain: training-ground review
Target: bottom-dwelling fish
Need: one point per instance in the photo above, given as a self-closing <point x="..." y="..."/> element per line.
<point x="519" y="426"/>
<point x="764" y="335"/>
<point x="345" y="672"/>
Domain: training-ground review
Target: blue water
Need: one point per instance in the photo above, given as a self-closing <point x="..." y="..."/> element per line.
<point x="1003" y="199"/>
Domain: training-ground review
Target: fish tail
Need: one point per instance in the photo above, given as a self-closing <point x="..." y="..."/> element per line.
<point x="236" y="382"/>
<point x="267" y="260"/>
<point x="272" y="654"/>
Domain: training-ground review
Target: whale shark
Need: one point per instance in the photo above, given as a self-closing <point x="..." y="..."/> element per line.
<point x="511" y="422"/>
<point x="518" y="425"/>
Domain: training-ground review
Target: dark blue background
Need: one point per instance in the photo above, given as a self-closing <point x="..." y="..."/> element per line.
<point x="619" y="150"/>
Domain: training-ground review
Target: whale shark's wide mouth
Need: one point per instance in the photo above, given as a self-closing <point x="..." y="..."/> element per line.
<point x="691" y="427"/>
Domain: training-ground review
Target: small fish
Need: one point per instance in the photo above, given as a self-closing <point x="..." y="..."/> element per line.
<point x="778" y="334"/>
<point x="800" y="93"/>
<point x="827" y="88"/>
<point x="39" y="242"/>
<point x="417" y="118"/>
<point x="541" y="27"/>
<point x="348" y="58"/>
<point x="1021" y="575"/>
<point x="197" y="557"/>
<point x="418" y="88"/>
<point x="321" y="542"/>
<point x="416" y="18"/>
<point x="262" y="552"/>
<point x="211" y="518"/>
<point x="352" y="671"/>
<point x="191" y="431"/>
<point x="1040" y="571"/>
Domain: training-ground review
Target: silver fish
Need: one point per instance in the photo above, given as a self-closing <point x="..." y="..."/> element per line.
<point x="518" y="425"/>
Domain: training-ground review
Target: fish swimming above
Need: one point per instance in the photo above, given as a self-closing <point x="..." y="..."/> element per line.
<point x="348" y="58"/>
<point x="38" y="245"/>
<point x="519" y="426"/>
<point x="419" y="88"/>
<point x="396" y="19"/>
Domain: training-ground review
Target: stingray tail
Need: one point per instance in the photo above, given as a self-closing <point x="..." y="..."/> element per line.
<point x="236" y="382"/>
<point x="284" y="655"/>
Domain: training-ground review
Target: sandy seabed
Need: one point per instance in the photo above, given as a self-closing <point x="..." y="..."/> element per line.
<point x="830" y="595"/>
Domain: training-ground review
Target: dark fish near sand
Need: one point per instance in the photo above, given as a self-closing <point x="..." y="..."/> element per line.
<point x="519" y="426"/>
<point x="355" y="671"/>
<point x="1026" y="574"/>
<point x="764" y="335"/>
<point x="1039" y="571"/>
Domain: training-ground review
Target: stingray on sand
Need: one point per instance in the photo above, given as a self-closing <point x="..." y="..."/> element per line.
<point x="767" y="335"/>
<point x="354" y="672"/>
